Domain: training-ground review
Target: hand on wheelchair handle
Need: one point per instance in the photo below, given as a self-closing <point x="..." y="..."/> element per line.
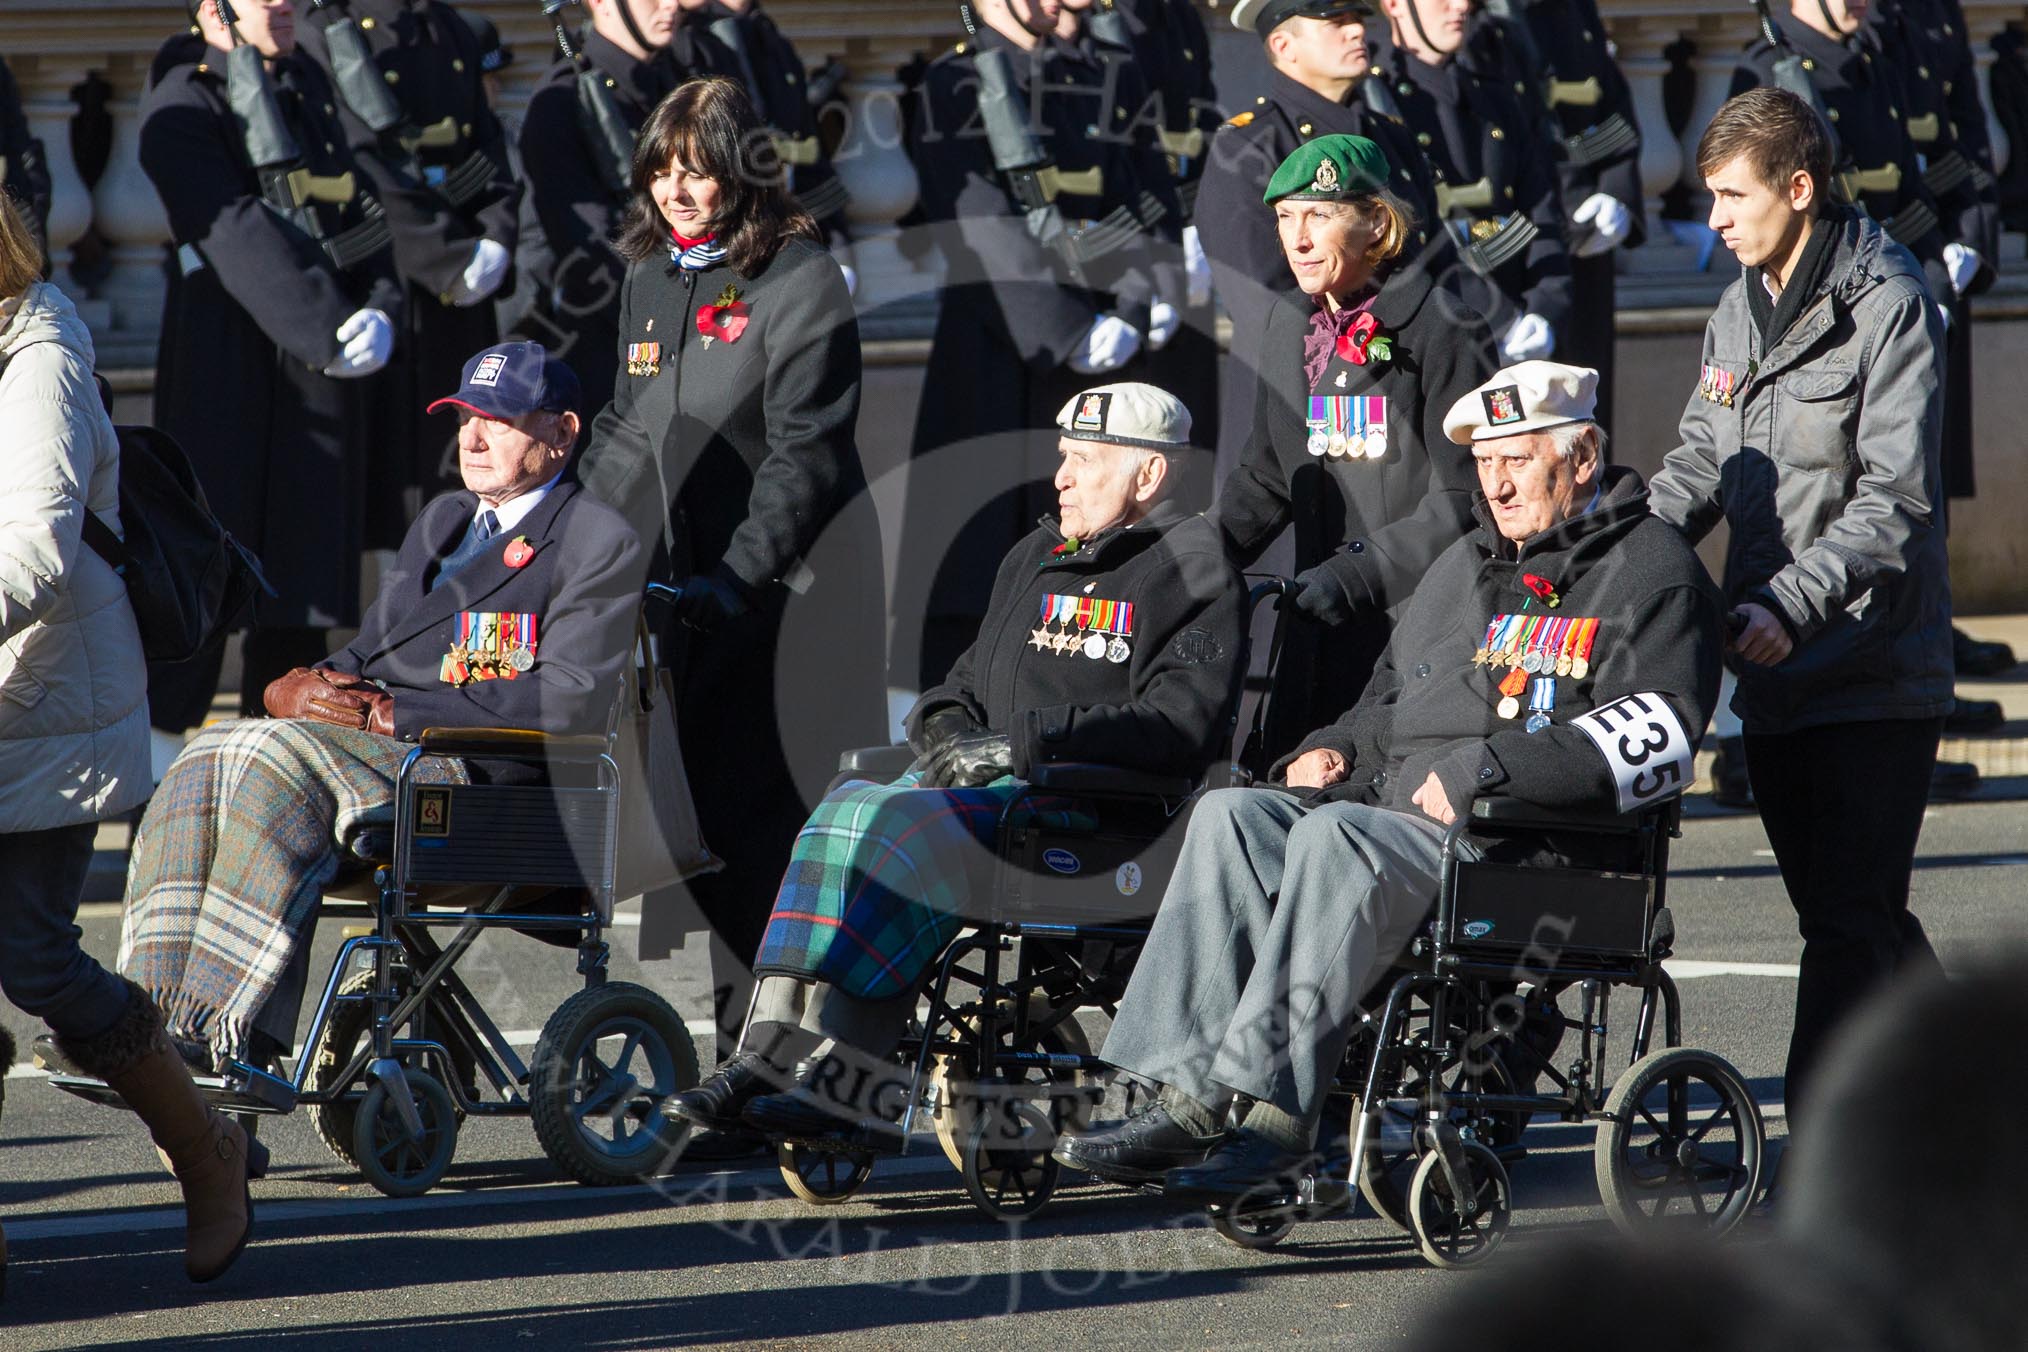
<point x="1320" y="596"/>
<point x="706" y="602"/>
<point x="968" y="761"/>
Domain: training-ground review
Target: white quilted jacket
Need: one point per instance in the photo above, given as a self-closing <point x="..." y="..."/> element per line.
<point x="73" y="686"/>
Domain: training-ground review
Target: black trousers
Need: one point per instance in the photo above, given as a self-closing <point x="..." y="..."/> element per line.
<point x="1843" y="806"/>
<point x="44" y="970"/>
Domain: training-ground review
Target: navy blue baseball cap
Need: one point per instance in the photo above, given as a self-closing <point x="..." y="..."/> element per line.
<point x="512" y="379"/>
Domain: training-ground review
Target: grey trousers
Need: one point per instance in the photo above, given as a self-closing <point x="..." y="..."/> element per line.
<point x="1278" y="919"/>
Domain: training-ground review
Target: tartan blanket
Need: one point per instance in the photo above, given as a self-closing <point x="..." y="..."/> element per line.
<point x="881" y="876"/>
<point x="231" y="857"/>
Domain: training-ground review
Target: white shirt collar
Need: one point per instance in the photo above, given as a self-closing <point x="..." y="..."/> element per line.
<point x="514" y="511"/>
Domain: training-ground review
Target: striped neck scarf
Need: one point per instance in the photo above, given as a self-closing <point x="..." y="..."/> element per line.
<point x="695" y="255"/>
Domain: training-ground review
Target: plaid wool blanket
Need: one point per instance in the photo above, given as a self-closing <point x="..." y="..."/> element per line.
<point x="231" y="857"/>
<point x="880" y="879"/>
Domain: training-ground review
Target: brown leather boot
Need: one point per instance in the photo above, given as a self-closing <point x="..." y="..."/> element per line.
<point x="209" y="1154"/>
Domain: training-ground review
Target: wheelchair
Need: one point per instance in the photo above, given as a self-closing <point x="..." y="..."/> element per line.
<point x="1439" y="1083"/>
<point x="998" y="1063"/>
<point x="401" y="1052"/>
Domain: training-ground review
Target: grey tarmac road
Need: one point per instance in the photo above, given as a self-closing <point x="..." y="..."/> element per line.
<point x="505" y="1254"/>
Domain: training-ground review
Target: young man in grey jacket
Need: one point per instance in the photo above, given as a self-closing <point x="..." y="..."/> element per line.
<point x="1814" y="434"/>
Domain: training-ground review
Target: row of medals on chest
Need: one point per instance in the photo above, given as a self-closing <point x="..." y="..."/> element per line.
<point x="1090" y="628"/>
<point x="1541" y="646"/>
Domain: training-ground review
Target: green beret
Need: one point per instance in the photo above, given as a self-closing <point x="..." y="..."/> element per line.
<point x="1330" y="169"/>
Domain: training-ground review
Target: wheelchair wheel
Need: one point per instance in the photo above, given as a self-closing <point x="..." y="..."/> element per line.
<point x="960" y="1098"/>
<point x="1388" y="1171"/>
<point x="1008" y="1170"/>
<point x="1454" y="1236"/>
<point x="1682" y="1142"/>
<point x="349" y="1026"/>
<point x="607" y="1058"/>
<point x="393" y="1162"/>
<point x="823" y="1177"/>
<point x="1253" y="1226"/>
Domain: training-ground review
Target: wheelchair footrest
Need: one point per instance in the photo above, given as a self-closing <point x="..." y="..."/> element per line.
<point x="251" y="1086"/>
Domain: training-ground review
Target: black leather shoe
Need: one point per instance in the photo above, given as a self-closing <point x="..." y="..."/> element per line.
<point x="717" y="1102"/>
<point x="1976" y="657"/>
<point x="1138" y="1150"/>
<point x="829" y="1098"/>
<point x="1971" y="717"/>
<point x="1952" y="780"/>
<point x="1246" y="1165"/>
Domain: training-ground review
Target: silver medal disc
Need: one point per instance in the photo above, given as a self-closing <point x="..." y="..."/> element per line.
<point x="1376" y="442"/>
<point x="1118" y="651"/>
<point x="1537" y="722"/>
<point x="1531" y="662"/>
<point x="1319" y="443"/>
<point x="521" y="659"/>
<point x="1095" y="647"/>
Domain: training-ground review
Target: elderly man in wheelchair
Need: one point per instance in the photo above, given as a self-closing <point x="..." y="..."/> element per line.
<point x="512" y="604"/>
<point x="1566" y="654"/>
<point x="1113" y="636"/>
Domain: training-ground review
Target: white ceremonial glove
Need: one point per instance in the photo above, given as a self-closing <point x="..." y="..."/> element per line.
<point x="1526" y="339"/>
<point x="842" y="255"/>
<point x="483" y="274"/>
<point x="1962" y="264"/>
<point x="1164" y="320"/>
<point x="1197" y="268"/>
<point x="367" y="339"/>
<point x="1943" y="312"/>
<point x="1609" y="219"/>
<point x="1109" y="344"/>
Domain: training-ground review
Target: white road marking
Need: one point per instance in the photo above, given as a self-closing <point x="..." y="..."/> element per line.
<point x="1687" y="969"/>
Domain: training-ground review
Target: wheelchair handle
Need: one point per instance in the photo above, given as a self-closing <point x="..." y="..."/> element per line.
<point x="662" y="591"/>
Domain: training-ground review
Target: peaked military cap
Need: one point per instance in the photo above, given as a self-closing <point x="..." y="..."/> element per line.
<point x="1264" y="16"/>
<point x="1330" y="169"/>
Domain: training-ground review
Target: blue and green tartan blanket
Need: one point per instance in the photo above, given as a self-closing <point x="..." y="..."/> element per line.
<point x="881" y="879"/>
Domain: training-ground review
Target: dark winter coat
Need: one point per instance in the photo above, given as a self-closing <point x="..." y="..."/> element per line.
<point x="583" y="585"/>
<point x="1377" y="524"/>
<point x="1432" y="708"/>
<point x="251" y="320"/>
<point x="1162" y="700"/>
<point x="750" y="445"/>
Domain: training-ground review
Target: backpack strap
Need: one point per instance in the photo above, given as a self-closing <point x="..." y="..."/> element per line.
<point x="104" y="543"/>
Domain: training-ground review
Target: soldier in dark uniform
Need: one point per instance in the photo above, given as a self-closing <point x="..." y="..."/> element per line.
<point x="1865" y="92"/>
<point x="24" y="168"/>
<point x="275" y="324"/>
<point x="1022" y="322"/>
<point x="736" y="38"/>
<point x="1556" y="52"/>
<point x="1948" y="125"/>
<point x="438" y="163"/>
<point x="1318" y="57"/>
<point x="1497" y="189"/>
<point x="579" y="194"/>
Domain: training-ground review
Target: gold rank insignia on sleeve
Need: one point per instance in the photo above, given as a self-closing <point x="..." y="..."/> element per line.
<point x="1244" y="119"/>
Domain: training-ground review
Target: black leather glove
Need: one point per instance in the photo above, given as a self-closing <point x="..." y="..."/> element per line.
<point x="943" y="723"/>
<point x="1322" y="597"/>
<point x="968" y="761"/>
<point x="708" y="601"/>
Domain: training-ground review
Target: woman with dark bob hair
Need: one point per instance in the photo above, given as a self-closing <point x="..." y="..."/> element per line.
<point x="730" y="445"/>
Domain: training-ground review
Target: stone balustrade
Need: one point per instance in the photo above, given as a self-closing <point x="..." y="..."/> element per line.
<point x="56" y="46"/>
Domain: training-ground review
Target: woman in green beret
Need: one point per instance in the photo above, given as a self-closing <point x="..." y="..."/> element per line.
<point x="1358" y="363"/>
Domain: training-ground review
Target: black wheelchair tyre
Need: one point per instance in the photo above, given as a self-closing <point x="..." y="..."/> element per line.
<point x="1251" y="1224"/>
<point x="1454" y="1236"/>
<point x="1008" y="1170"/>
<point x="1388" y="1170"/>
<point x="606" y="1060"/>
<point x="961" y="1099"/>
<point x="1682" y="1141"/>
<point x="820" y="1176"/>
<point x="349" y="1025"/>
<point x="390" y="1160"/>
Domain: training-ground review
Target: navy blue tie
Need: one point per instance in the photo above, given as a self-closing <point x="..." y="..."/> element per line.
<point x="481" y="531"/>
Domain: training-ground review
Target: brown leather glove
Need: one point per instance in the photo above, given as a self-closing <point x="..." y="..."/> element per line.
<point x="379" y="712"/>
<point x="326" y="696"/>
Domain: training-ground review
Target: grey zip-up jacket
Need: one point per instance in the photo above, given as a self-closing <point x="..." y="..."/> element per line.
<point x="1822" y="456"/>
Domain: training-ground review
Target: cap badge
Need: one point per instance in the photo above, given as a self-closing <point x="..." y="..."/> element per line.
<point x="1503" y="405"/>
<point x="1327" y="176"/>
<point x="487" y="372"/>
<point x="1091" y="414"/>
